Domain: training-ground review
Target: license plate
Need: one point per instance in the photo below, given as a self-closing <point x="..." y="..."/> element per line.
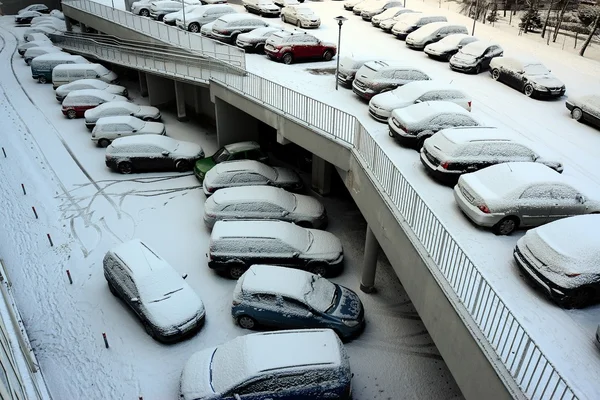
<point x="555" y="91"/>
<point x="467" y="195"/>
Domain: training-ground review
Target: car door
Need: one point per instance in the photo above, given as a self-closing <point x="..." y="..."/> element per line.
<point x="257" y="388"/>
<point x="292" y="16"/>
<point x="534" y="204"/>
<point x="296" y="315"/>
<point x="266" y="308"/>
<point x="131" y="294"/>
<point x="567" y="202"/>
<point x="162" y="158"/>
<point x="475" y="156"/>
<point x="510" y="152"/>
<point x="314" y="47"/>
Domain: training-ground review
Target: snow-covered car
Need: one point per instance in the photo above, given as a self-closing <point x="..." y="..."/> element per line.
<point x="41" y="8"/>
<point x="349" y="4"/>
<point x="151" y="153"/>
<point x="26" y="17"/>
<point x="78" y="101"/>
<point x="236" y="245"/>
<point x="266" y="8"/>
<point x="211" y="2"/>
<point x="432" y="33"/>
<point x="475" y="57"/>
<point x="158" y="9"/>
<point x="255" y="39"/>
<point x="206" y="29"/>
<point x="57" y="14"/>
<point x="310" y="364"/>
<point x="452" y="152"/>
<point x="412" y="22"/>
<point x="382" y="105"/>
<point x="141" y="7"/>
<point x="411" y="125"/>
<point x="228" y="27"/>
<point x="42" y="19"/>
<point x="508" y="196"/>
<point x="202" y="18"/>
<point x="33" y="52"/>
<point x="348" y="69"/>
<point x="171" y="18"/>
<point x="389" y="13"/>
<point x="45" y="30"/>
<point x="376" y="8"/>
<point x="585" y="108"/>
<point x="63" y="90"/>
<point x="289" y="47"/>
<point x="375" y="77"/>
<point x="249" y="173"/>
<point x="267" y="295"/>
<point x="116" y="108"/>
<point x="358" y="9"/>
<point x="285" y="3"/>
<point x="387" y="24"/>
<point x="264" y="202"/>
<point x="301" y="16"/>
<point x="526" y="75"/>
<point x="33" y="36"/>
<point x="248" y="150"/>
<point x="108" y="129"/>
<point x="448" y="46"/>
<point x="23" y="47"/>
<point x="561" y="258"/>
<point x="167" y="306"/>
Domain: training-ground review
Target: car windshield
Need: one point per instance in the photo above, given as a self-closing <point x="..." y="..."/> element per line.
<point x="157" y="286"/>
<point x="474" y="51"/>
<point x="137" y="123"/>
<point x="227" y="367"/>
<point x="304" y="11"/>
<point x="221" y="155"/>
<point x="321" y="294"/>
<point x="536" y="69"/>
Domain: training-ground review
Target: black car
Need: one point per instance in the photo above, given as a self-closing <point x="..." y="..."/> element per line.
<point x="475" y="57"/>
<point x="585" y="109"/>
<point x="528" y="76"/>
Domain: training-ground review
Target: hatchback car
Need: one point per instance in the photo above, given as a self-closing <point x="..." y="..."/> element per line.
<point x="108" y="129"/>
<point x="456" y="151"/>
<point x="151" y="153"/>
<point x="266" y="8"/>
<point x="26" y="17"/>
<point x="412" y="22"/>
<point x="234" y="151"/>
<point x="310" y="364"/>
<point x="301" y="16"/>
<point x="413" y="124"/>
<point x="526" y="75"/>
<point x="115" y="108"/>
<point x="585" y="109"/>
<point x="158" y="9"/>
<point x="260" y="202"/>
<point x="377" y="8"/>
<point x="382" y="105"/>
<point x="201" y="19"/>
<point x="255" y="39"/>
<point x="561" y="258"/>
<point x="289" y="47"/>
<point x="358" y="8"/>
<point x="349" y="4"/>
<point x="389" y="13"/>
<point x="507" y="196"/>
<point x="432" y="33"/>
<point x="41" y="29"/>
<point x="77" y="102"/>
<point x="249" y="173"/>
<point x="285" y="3"/>
<point x="387" y="24"/>
<point x="475" y="57"/>
<point x="34" y="52"/>
<point x="236" y="245"/>
<point x="381" y="76"/>
<point x="167" y="306"/>
<point x="448" y="46"/>
<point x="348" y="69"/>
<point x="23" y="47"/>
<point x="63" y="90"/>
<point x="206" y="29"/>
<point x="228" y="27"/>
<point x="286" y="298"/>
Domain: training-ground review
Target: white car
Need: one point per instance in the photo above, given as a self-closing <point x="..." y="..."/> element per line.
<point x="255" y="39"/>
<point x="63" y="90"/>
<point x="448" y="46"/>
<point x="158" y="9"/>
<point x="285" y="3"/>
<point x="387" y="24"/>
<point x="108" y="129"/>
<point x="141" y="7"/>
<point x="261" y="7"/>
<point x="171" y="18"/>
<point x="50" y="22"/>
<point x="349" y="4"/>
<point x="387" y="14"/>
<point x="475" y="57"/>
<point x="432" y="33"/>
<point x="45" y="30"/>
<point x="23" y="47"/>
<point x="376" y="77"/>
<point x="206" y="29"/>
<point x="45" y="18"/>
<point x="358" y="9"/>
<point x="35" y="36"/>
<point x="202" y="18"/>
<point x="210" y="2"/>
<point x="124" y="108"/>
<point x="264" y="202"/>
<point x="507" y="196"/>
<point x="33" y="52"/>
<point x="301" y="16"/>
<point x="378" y="7"/>
<point x="382" y="105"/>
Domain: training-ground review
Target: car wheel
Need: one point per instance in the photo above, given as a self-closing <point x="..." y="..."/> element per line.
<point x="576" y="114"/>
<point x="71" y="114"/>
<point x="113" y="290"/>
<point x="125" y="167"/>
<point x="160" y="17"/>
<point x="145" y="13"/>
<point x="42" y="79"/>
<point x="283" y="19"/>
<point x="478" y="68"/>
<point x="528" y="90"/>
<point x="260" y="48"/>
<point x="318" y="269"/>
<point x="103" y="142"/>
<point x="299" y="24"/>
<point x="182" y="165"/>
<point x="506" y="226"/>
<point x="194" y="27"/>
<point x="236" y="270"/>
<point x="246" y="322"/>
<point x="28" y="61"/>
<point x="582" y="297"/>
<point x="328" y="55"/>
<point x="287" y="58"/>
<point x="495" y="74"/>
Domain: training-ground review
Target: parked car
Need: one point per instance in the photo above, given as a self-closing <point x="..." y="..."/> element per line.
<point x="278" y="297"/>
<point x="43" y="66"/>
<point x="376" y="8"/>
<point x="26" y="17"/>
<point x="41" y="8"/>
<point x="78" y="101"/>
<point x="255" y="39"/>
<point x="387" y="24"/>
<point x="115" y="108"/>
<point x="236" y="245"/>
<point x="413" y="124"/>
<point x="44" y="19"/>
<point x="561" y="258"/>
<point x="389" y="13"/>
<point x="382" y="105"/>
<point x="57" y="14"/>
<point x="475" y="57"/>
<point x="228" y="27"/>
<point x="432" y="33"/>
<point x="411" y="23"/>
<point x="260" y="202"/>
<point x="158" y="9"/>
<point x="141" y="7"/>
<point x="212" y="2"/>
<point x="171" y="18"/>
<point x="375" y="77"/>
<point x="45" y="30"/>
<point x="23" y="47"/>
<point x="526" y="75"/>
<point x="33" y="52"/>
<point x="448" y="46"/>
<point x="266" y="8"/>
<point x="349" y="4"/>
<point x="64" y="90"/>
<point x="452" y="152"/>
<point x="285" y="3"/>
<point x="234" y="151"/>
<point x="199" y="19"/>
<point x="301" y="16"/>
<point x="358" y="9"/>
<point x="508" y="196"/>
<point x="206" y="29"/>
<point x="151" y="153"/>
<point x="67" y="73"/>
<point x="585" y="109"/>
<point x="167" y="306"/>
<point x="249" y="173"/>
<point x="108" y="129"/>
<point x="30" y="37"/>
<point x="310" y="363"/>
<point x="348" y="69"/>
<point x="290" y="47"/>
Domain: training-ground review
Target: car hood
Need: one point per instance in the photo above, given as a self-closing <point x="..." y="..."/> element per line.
<point x="205" y="164"/>
<point x="306" y="205"/>
<point x="189" y="149"/>
<point x="115" y="89"/>
<point x="440" y="47"/>
<point x="286" y="175"/>
<point x="324" y="245"/>
<point x="463" y="59"/>
<point x="195" y="378"/>
<point x="545" y="80"/>
<point x="349" y="305"/>
<point x="175" y="309"/>
<point x="389" y="101"/>
<point x="148" y="111"/>
<point x="153" y="127"/>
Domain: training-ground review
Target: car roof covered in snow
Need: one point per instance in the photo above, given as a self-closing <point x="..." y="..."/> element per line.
<point x="142" y="140"/>
<point x="269" y="279"/>
<point x="477" y="47"/>
<point x="257" y="228"/>
<point x="120" y="119"/>
<point x="416" y="88"/>
<point x="242" y="146"/>
<point x="238" y="17"/>
<point x="79" y="66"/>
<point x="378" y="65"/>
<point x="92" y="92"/>
<point x="416" y="113"/>
<point x="477" y="133"/>
<point x="58" y="57"/>
<point x="243" y="165"/>
<point x="139" y="257"/>
<point x="245" y="194"/>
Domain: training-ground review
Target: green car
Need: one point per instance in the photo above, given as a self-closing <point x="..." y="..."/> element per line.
<point x="230" y="152"/>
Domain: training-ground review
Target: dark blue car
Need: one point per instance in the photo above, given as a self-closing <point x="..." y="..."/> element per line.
<point x="291" y="299"/>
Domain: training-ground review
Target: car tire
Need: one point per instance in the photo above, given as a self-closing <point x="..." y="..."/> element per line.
<point x="582" y="297"/>
<point x="71" y="114"/>
<point x="287" y="58"/>
<point x="194" y="27"/>
<point x="103" y="143"/>
<point x="246" y="322"/>
<point x="182" y="165"/>
<point x="506" y="226"/>
<point x="236" y="270"/>
<point x="42" y="79"/>
<point x="528" y="90"/>
<point x="577" y="114"/>
<point x="144" y="13"/>
<point x="125" y="167"/>
<point x="260" y="48"/>
<point x="328" y="55"/>
<point x="318" y="269"/>
<point x="496" y="74"/>
<point x="299" y="24"/>
<point x="28" y="61"/>
<point x="283" y="19"/>
<point x="160" y="18"/>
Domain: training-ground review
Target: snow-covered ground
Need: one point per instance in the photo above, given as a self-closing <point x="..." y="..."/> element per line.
<point x="87" y="210"/>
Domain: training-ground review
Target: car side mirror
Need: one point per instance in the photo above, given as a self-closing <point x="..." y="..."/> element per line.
<point x="135" y="130"/>
<point x="580" y="199"/>
<point x="165" y="153"/>
<point x="296" y="254"/>
<point x="135" y="300"/>
<point x="97" y="76"/>
<point x="417" y="101"/>
<point x="184" y="276"/>
<point x="460" y="46"/>
<point x="284" y="213"/>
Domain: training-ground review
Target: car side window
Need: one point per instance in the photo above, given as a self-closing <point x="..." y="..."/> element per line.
<point x="295" y="307"/>
<point x="518" y="150"/>
<point x="243" y="178"/>
<point x="291" y="382"/>
<point x="240" y="155"/>
<point x="258" y="385"/>
<point x="311" y="40"/>
<point x="433" y="96"/>
<point x="565" y="193"/>
<point x="473" y="150"/>
<point x="278" y="246"/>
<point x="269" y="299"/>
<point x="540" y="192"/>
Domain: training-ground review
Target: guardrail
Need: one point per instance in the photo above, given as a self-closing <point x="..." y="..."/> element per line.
<point x="535" y="375"/>
<point x="161" y="31"/>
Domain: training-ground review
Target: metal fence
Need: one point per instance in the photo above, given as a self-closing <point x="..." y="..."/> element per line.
<point x="161" y="31"/>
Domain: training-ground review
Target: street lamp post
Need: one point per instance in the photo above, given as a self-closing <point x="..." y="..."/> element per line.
<point x="183" y="11"/>
<point x="475" y="17"/>
<point x="340" y="21"/>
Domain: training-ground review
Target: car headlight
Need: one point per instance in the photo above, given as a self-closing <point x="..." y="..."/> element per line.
<point x="351" y="323"/>
<point x="538" y="86"/>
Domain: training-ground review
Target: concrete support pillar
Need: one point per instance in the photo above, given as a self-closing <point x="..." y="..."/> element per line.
<point x="197" y="100"/>
<point x="83" y="27"/>
<point x="68" y="24"/>
<point x="161" y="91"/>
<point x="143" y="84"/>
<point x="233" y="125"/>
<point x="367" y="280"/>
<point x="180" y="101"/>
<point x="321" y="175"/>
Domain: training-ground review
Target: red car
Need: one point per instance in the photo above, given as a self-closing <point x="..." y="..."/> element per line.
<point x="77" y="102"/>
<point x="295" y="46"/>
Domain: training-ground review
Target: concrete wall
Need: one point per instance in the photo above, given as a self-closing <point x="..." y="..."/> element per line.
<point x="161" y="91"/>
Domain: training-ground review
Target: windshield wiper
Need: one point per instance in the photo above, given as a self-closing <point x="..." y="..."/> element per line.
<point x="176" y="290"/>
<point x="333" y="300"/>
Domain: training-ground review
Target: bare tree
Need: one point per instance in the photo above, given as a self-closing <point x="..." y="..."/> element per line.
<point x="547" y="18"/>
<point x="559" y="20"/>
<point x="593" y="30"/>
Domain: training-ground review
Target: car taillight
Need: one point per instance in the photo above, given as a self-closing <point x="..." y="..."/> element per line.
<point x="210" y="189"/>
<point x="445" y="165"/>
<point x="484" y="208"/>
<point x="573" y="275"/>
<point x="469" y="103"/>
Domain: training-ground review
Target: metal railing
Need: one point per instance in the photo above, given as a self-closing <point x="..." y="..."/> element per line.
<point x="163" y="32"/>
